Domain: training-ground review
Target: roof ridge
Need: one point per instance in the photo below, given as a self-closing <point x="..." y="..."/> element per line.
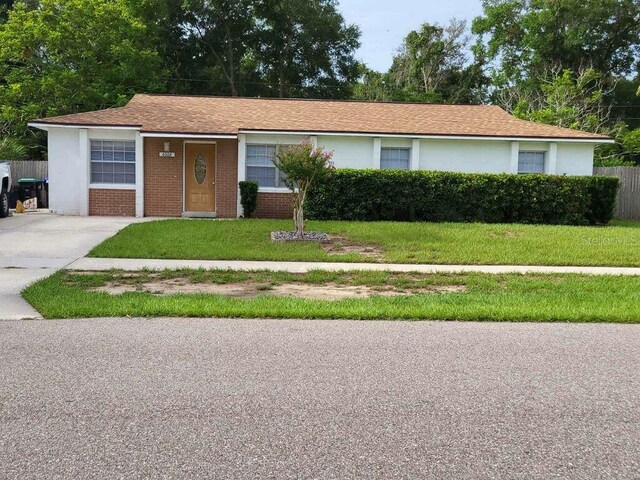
<point x="327" y="100"/>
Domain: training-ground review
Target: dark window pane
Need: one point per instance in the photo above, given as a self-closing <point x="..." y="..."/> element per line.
<point x="264" y="176"/>
<point x="395" y="158"/>
<point x="260" y="155"/>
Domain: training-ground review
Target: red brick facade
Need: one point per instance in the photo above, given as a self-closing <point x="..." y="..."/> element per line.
<point x="227" y="178"/>
<point x="163" y="186"/>
<point x="163" y="178"/>
<point x="274" y="205"/>
<point x="108" y="202"/>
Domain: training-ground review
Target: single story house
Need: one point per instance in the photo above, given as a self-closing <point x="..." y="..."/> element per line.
<point x="165" y="155"/>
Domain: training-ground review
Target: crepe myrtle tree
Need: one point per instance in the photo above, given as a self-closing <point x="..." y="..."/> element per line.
<point x="301" y="165"/>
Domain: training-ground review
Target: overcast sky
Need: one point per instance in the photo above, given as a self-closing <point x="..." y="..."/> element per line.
<point x="384" y="23"/>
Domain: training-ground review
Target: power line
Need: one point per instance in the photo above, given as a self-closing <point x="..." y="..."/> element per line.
<point x="271" y="84"/>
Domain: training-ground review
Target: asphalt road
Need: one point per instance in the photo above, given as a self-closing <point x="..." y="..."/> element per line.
<point x="180" y="398"/>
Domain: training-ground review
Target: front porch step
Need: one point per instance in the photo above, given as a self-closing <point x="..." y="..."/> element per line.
<point x="199" y="215"/>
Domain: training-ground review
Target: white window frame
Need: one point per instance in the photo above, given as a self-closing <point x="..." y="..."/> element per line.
<point x="277" y="172"/>
<point x="113" y="185"/>
<point x="407" y="149"/>
<point x="538" y="152"/>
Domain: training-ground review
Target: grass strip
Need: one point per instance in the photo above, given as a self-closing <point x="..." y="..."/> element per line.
<point x="508" y="297"/>
<point x="393" y="242"/>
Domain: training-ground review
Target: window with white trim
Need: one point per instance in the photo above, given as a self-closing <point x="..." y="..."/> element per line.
<point x="531" y="162"/>
<point x="113" y="161"/>
<point x="395" y="158"/>
<point x="260" y="167"/>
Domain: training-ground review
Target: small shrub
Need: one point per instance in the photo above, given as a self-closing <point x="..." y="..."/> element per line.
<point x="248" y="197"/>
<point x="460" y="197"/>
<point x="302" y="165"/>
<point x="603" y="192"/>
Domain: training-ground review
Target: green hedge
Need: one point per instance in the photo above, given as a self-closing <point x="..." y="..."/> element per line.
<point x="461" y="197"/>
<point x="248" y="197"/>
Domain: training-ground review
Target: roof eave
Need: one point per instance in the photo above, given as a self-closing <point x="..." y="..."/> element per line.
<point x="431" y="136"/>
<point x="168" y="134"/>
<point x="45" y="125"/>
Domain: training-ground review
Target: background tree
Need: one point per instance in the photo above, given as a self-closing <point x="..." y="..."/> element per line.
<point x="555" y="61"/>
<point x="284" y="48"/>
<point x="306" y="49"/>
<point x="6" y="5"/>
<point x="529" y="41"/>
<point x="631" y="146"/>
<point x="375" y="86"/>
<point x="433" y="65"/>
<point x="566" y="99"/>
<point x="220" y="35"/>
<point x="527" y="37"/>
<point x="566" y="63"/>
<point x="625" y="101"/>
<point x="70" y="56"/>
<point x="165" y="22"/>
<point x="576" y="100"/>
<point x="12" y="149"/>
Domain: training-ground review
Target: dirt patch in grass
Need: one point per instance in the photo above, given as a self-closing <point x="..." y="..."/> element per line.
<point x="504" y="234"/>
<point x="250" y="289"/>
<point x="340" y="246"/>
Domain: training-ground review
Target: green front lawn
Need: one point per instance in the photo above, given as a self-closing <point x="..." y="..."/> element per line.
<point x="568" y="298"/>
<point x="442" y="243"/>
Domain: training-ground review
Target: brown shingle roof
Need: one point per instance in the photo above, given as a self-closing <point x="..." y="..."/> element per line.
<point x="228" y="115"/>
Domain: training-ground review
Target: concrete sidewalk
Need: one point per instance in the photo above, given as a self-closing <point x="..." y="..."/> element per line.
<point x="135" y="264"/>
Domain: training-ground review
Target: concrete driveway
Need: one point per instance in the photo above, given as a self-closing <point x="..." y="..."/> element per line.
<point x="204" y="398"/>
<point x="34" y="245"/>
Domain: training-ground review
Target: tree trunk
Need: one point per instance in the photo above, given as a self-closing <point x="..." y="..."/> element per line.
<point x="298" y="214"/>
<point x="229" y="74"/>
<point x="299" y="220"/>
<point x="282" y="75"/>
<point x="232" y="67"/>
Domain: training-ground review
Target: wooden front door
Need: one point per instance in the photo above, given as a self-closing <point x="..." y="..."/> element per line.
<point x="199" y="177"/>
